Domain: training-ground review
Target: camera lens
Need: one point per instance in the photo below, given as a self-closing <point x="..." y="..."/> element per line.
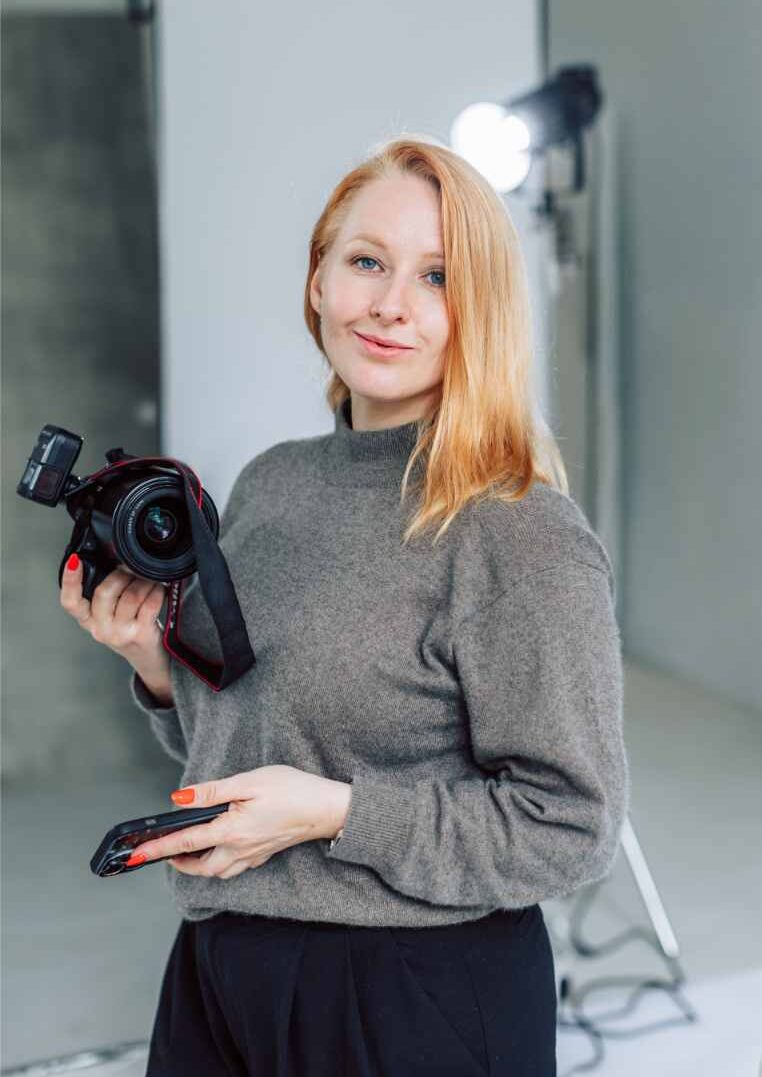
<point x="148" y="525"/>
<point x="163" y="531"/>
<point x="159" y="524"/>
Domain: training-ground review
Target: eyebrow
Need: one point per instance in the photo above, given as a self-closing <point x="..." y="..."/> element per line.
<point x="379" y="243"/>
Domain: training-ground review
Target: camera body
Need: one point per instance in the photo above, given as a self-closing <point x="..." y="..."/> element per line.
<point x="132" y="512"/>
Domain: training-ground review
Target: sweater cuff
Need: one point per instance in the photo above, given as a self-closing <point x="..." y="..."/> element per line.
<point x="164" y="721"/>
<point x="147" y="702"/>
<point x="377" y="825"/>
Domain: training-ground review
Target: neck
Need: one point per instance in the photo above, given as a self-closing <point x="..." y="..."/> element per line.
<point x="368" y="414"/>
<point x="368" y="457"/>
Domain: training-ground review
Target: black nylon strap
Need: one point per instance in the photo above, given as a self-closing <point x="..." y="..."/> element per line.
<point x="221" y="600"/>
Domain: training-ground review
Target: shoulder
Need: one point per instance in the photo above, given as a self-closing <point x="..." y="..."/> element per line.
<point x="280" y="459"/>
<point x="272" y="479"/>
<point x="264" y="482"/>
<point x="543" y="530"/>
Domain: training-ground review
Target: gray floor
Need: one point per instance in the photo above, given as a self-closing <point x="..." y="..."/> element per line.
<point x="88" y="954"/>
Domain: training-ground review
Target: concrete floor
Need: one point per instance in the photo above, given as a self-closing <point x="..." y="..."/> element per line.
<point x="89" y="953"/>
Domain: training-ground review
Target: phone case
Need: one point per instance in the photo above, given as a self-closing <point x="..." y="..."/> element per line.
<point x="110" y="856"/>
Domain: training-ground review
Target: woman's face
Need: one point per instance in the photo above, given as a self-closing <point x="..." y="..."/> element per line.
<point x="391" y="286"/>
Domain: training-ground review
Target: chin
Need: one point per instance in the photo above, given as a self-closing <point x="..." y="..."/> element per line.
<point x="383" y="390"/>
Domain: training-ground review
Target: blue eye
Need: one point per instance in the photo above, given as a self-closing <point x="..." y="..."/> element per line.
<point x="367" y="258"/>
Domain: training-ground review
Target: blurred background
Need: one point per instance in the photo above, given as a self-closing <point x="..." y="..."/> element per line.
<point x="162" y="167"/>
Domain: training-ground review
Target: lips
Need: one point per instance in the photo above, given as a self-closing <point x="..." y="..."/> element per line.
<point x="392" y="345"/>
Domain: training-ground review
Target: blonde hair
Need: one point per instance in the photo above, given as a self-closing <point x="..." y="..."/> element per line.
<point x="487" y="437"/>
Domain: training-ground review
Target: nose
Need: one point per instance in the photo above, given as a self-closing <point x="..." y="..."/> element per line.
<point x="391" y="301"/>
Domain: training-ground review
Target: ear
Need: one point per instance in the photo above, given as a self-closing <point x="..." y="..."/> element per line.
<point x="316" y="290"/>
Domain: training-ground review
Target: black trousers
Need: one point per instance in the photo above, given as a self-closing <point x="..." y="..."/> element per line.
<point x="253" y="996"/>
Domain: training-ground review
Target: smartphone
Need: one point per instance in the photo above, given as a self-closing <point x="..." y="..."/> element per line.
<point x="116" y="848"/>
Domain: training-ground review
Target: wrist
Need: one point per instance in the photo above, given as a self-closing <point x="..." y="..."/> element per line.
<point x="159" y="686"/>
<point x="338" y="798"/>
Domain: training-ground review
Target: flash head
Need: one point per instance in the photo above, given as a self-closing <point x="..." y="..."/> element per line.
<point x="48" y="470"/>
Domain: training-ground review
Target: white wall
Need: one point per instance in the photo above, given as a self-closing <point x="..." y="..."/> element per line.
<point x="263" y="109"/>
<point x="686" y="80"/>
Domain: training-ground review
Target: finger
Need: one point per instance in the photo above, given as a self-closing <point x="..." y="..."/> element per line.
<point x="236" y="868"/>
<point x="188" y="840"/>
<point x="217" y="862"/>
<point x="151" y="605"/>
<point x="240" y="786"/>
<point x="72" y="599"/>
<point x="131" y="600"/>
<point x="109" y="592"/>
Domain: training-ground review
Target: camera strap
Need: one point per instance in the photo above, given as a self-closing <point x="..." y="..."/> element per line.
<point x="214" y="580"/>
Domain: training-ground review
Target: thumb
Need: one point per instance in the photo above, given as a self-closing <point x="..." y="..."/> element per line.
<point x="205" y="794"/>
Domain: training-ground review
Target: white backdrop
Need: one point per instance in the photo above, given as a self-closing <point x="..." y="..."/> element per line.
<point x="262" y="109"/>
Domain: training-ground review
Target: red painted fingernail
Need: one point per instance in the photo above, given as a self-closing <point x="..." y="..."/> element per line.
<point x="136" y="858"/>
<point x="73" y="563"/>
<point x="183" y="796"/>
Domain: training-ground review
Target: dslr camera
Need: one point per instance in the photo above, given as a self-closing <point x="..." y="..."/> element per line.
<point x="131" y="513"/>
<point x="151" y="514"/>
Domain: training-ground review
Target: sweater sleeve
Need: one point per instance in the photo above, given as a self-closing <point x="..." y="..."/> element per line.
<point x="164" y="721"/>
<point x="541" y="674"/>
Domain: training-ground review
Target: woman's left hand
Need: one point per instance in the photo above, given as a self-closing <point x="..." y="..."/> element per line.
<point x="271" y="808"/>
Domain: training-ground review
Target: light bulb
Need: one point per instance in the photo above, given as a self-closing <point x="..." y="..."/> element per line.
<point x="495" y="142"/>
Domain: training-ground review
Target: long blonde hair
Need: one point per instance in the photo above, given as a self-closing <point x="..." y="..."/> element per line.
<point x="487" y="437"/>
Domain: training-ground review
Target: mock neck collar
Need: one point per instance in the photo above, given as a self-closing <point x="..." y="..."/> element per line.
<point x="368" y="457"/>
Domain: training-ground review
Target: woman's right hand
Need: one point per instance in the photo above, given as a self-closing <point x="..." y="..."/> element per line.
<point x="122" y="616"/>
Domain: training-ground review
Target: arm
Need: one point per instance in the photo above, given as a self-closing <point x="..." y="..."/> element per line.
<point x="164" y="720"/>
<point x="160" y="690"/>
<point x="541" y="675"/>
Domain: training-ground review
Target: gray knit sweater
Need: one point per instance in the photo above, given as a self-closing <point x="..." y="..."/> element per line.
<point x="471" y="692"/>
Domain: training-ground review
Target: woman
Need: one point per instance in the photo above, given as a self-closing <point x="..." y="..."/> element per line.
<point x="430" y="742"/>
